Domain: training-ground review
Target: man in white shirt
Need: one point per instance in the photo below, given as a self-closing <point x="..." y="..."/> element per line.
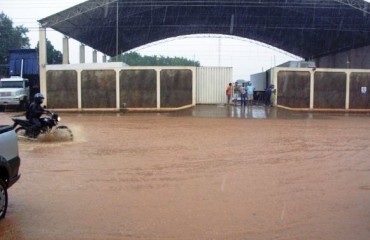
<point x="250" y="91"/>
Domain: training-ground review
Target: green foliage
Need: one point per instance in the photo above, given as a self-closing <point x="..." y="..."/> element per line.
<point x="53" y="56"/>
<point x="11" y="37"/>
<point x="135" y="59"/>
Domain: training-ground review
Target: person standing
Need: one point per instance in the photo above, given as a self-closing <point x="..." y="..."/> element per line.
<point x="242" y="95"/>
<point x="236" y="91"/>
<point x="229" y="91"/>
<point x="268" y="95"/>
<point x="250" y="91"/>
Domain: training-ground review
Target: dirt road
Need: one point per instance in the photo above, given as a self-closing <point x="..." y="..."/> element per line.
<point x="149" y="176"/>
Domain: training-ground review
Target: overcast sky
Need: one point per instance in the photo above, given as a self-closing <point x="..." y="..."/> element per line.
<point x="245" y="56"/>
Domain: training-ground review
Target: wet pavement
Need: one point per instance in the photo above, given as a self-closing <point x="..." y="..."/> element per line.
<point x="208" y="172"/>
<point x="254" y="112"/>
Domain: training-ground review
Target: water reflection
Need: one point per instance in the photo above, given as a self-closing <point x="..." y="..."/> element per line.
<point x="232" y="111"/>
<point x="257" y="111"/>
<point x="249" y="112"/>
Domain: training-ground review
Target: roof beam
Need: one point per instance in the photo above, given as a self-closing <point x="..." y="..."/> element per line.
<point x="75" y="11"/>
<point x="359" y="5"/>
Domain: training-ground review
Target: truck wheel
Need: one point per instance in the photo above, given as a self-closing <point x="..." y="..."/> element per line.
<point x="23" y="105"/>
<point x="3" y="199"/>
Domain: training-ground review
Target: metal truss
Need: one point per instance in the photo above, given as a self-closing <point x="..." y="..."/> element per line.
<point x="356" y="4"/>
<point x="305" y="28"/>
<point x="75" y="11"/>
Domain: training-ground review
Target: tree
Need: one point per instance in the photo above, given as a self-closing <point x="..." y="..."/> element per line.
<point x="53" y="56"/>
<point x="11" y="37"/>
<point x="135" y="59"/>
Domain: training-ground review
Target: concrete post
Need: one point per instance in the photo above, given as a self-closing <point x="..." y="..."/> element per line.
<point x="65" y="50"/>
<point x="42" y="61"/>
<point x="118" y="92"/>
<point x="348" y="73"/>
<point x="82" y="53"/>
<point x="194" y="73"/>
<point x="274" y="77"/>
<point x="158" y="70"/>
<point x="312" y="87"/>
<point x="79" y="90"/>
<point x="95" y="56"/>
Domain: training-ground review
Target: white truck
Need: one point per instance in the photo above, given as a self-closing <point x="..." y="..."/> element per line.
<point x="14" y="91"/>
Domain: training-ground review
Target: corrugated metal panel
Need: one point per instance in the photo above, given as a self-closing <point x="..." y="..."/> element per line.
<point x="212" y="83"/>
<point x="30" y="62"/>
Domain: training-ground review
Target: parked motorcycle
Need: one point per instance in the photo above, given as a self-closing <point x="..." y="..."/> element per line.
<point x="49" y="125"/>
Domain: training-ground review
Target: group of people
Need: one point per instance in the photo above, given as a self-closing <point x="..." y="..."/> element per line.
<point x="246" y="94"/>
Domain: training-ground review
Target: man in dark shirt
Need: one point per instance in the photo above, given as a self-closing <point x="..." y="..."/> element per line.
<point x="268" y="95"/>
<point x="34" y="113"/>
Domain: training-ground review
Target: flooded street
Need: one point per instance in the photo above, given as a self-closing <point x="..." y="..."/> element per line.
<point x="192" y="175"/>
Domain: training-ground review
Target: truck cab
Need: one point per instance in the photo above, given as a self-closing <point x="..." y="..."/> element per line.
<point x="14" y="91"/>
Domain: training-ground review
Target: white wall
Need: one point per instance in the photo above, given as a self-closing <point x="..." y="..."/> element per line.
<point x="212" y="83"/>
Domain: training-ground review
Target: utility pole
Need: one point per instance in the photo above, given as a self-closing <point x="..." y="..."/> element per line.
<point x="219" y="51"/>
<point x="117" y="18"/>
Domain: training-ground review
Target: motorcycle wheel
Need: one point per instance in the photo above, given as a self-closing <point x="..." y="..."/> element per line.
<point x="3" y="199"/>
<point x="65" y="132"/>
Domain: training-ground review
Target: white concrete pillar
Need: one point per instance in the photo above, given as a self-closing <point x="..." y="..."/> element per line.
<point x="158" y="70"/>
<point x="104" y="58"/>
<point x="82" y="53"/>
<point x="274" y="76"/>
<point x="118" y="91"/>
<point x="79" y="90"/>
<point x="312" y="87"/>
<point x="95" y="56"/>
<point x="348" y="73"/>
<point x="42" y="61"/>
<point x="65" y="50"/>
<point x="194" y="87"/>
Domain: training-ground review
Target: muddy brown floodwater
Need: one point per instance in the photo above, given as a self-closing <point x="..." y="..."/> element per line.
<point x="163" y="176"/>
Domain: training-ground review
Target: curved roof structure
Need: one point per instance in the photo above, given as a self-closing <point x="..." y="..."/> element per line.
<point x="306" y="28"/>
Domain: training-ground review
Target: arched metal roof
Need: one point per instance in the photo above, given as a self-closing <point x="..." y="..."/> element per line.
<point x="306" y="28"/>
